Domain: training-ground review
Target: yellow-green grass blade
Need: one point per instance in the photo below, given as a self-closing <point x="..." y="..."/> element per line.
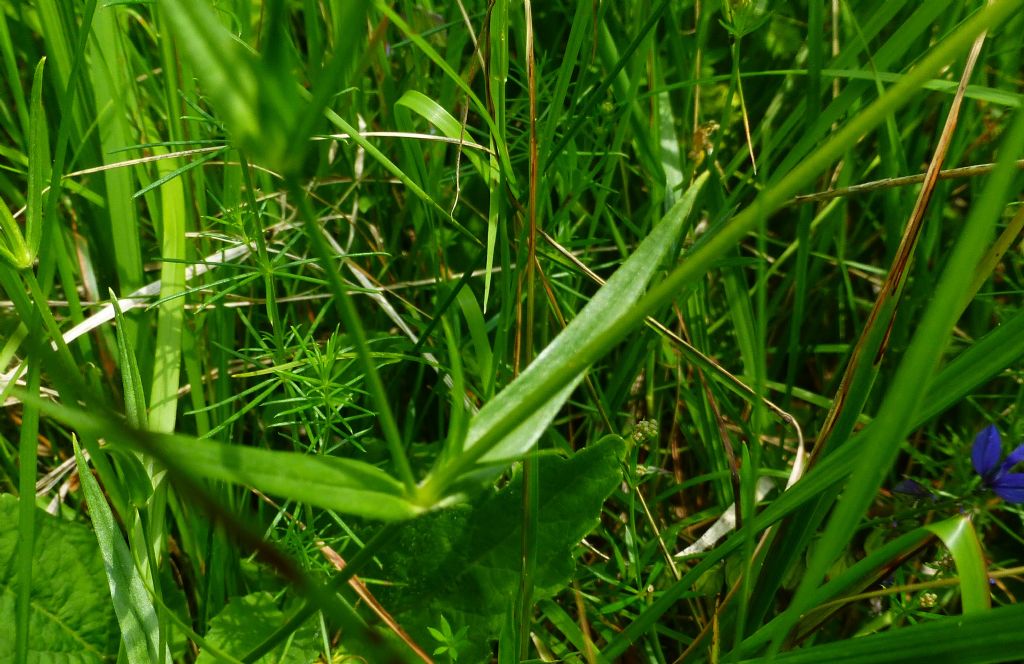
<point x="961" y="539"/>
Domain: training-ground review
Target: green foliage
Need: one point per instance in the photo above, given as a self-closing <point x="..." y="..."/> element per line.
<point x="339" y="289"/>
<point x="961" y="539"/>
<point x="13" y="249"/>
<point x="464" y="563"/>
<point x="72" y="619"/>
<point x="244" y="621"/>
<point x="255" y="96"/>
<point x="969" y="639"/>
<point x="452" y="643"/>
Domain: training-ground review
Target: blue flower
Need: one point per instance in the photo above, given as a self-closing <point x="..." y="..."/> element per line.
<point x="985" y="455"/>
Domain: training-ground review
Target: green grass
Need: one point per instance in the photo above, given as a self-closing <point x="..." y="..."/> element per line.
<point x="423" y="332"/>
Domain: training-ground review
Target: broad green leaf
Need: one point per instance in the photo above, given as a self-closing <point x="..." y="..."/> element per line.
<point x="464" y="563"/>
<point x="991" y="636"/>
<point x="71" y="619"/>
<point x="140" y="628"/>
<point x="961" y="539"/>
<point x="245" y="621"/>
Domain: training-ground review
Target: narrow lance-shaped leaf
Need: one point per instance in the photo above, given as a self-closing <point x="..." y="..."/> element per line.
<point x="499" y="431"/>
<point x="345" y="485"/>
<point x="140" y="628"/>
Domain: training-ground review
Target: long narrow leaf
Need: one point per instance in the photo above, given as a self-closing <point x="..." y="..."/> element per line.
<point x="560" y="359"/>
<point x="345" y="485"/>
<point x="140" y="628"/>
<point x="38" y="162"/>
<point x="131" y="381"/>
<point x="993" y="636"/>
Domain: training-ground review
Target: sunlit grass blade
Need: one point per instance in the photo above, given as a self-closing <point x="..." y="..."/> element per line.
<point x="345" y="485"/>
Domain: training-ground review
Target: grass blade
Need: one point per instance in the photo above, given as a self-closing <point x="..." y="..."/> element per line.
<point x="961" y="539"/>
<point x="993" y="636"/>
<point x="140" y="628"/>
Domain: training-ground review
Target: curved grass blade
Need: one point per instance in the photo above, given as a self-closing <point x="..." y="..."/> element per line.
<point x="961" y="539"/>
<point x="437" y="116"/>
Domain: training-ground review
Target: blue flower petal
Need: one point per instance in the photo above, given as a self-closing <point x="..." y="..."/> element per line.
<point x="986" y="451"/>
<point x="1015" y="457"/>
<point x="1010" y="487"/>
